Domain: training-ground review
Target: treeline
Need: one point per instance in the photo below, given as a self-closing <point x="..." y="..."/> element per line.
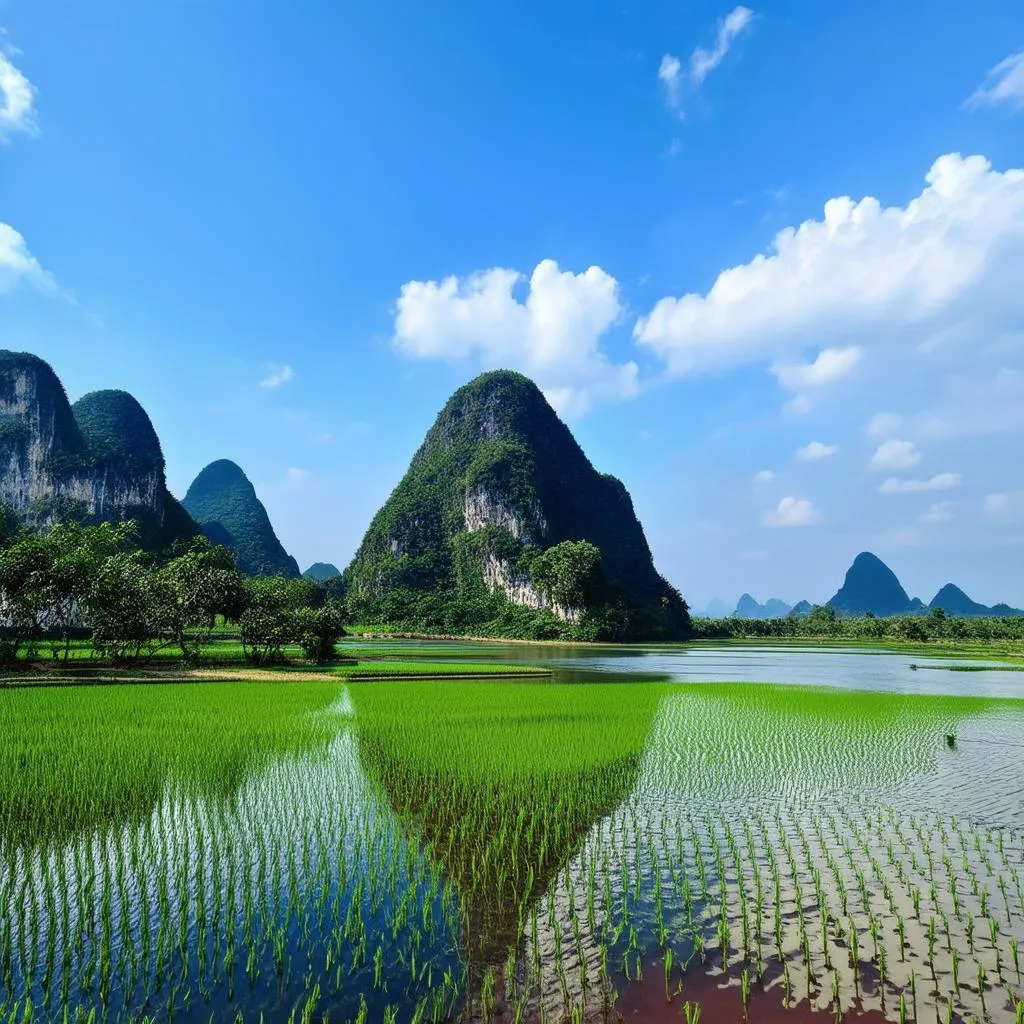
<point x="95" y="582"/>
<point x="824" y="622"/>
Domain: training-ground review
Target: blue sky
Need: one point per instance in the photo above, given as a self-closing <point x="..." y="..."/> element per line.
<point x="292" y="230"/>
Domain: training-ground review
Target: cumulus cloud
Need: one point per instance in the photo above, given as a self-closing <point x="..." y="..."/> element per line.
<point x="830" y="364"/>
<point x="883" y="423"/>
<point x="895" y="454"/>
<point x="554" y="335"/>
<point x="863" y="275"/>
<point x="294" y="475"/>
<point x="764" y="476"/>
<point x="939" y="482"/>
<point x="1003" y="84"/>
<point x="702" y="62"/>
<point x="276" y="376"/>
<point x="792" y="512"/>
<point x="815" y="451"/>
<point x="940" y="512"/>
<point x="18" y="265"/>
<point x="16" y="100"/>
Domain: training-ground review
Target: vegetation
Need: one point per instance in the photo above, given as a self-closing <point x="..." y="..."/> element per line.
<point x="824" y="622"/>
<point x="224" y="503"/>
<point x="412" y="852"/>
<point x="497" y="487"/>
<point x="95" y="581"/>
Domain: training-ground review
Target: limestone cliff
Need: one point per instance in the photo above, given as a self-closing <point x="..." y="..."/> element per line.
<point x="499" y="482"/>
<point x="95" y="461"/>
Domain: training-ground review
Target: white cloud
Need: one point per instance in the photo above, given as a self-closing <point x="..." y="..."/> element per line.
<point x="940" y="512"/>
<point x="18" y="265"/>
<point x="16" y="99"/>
<point x="670" y="74"/>
<point x="939" y="482"/>
<point x="864" y="275"/>
<point x="1003" y="84"/>
<point x="276" y="376"/>
<point x="1005" y="506"/>
<point x="703" y="62"/>
<point x="792" y="512"/>
<point x="554" y="335"/>
<point x="815" y="451"/>
<point x="764" y="476"/>
<point x="895" y="454"/>
<point x="883" y="423"/>
<point x="830" y="364"/>
<point x="295" y="475"/>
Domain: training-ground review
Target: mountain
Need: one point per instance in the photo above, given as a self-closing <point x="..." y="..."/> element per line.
<point x="952" y="600"/>
<point x="322" y="571"/>
<point x="801" y="608"/>
<point x="719" y="609"/>
<point x="773" y="608"/>
<point x="224" y="504"/>
<point x="871" y="586"/>
<point x="99" y="460"/>
<point x="473" y="537"/>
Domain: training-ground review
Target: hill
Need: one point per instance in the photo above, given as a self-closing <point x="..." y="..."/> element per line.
<point x="719" y="609"/>
<point x="224" y="504"/>
<point x="99" y="460"/>
<point x="322" y="571"/>
<point x="871" y="586"/>
<point x="952" y="600"/>
<point x="773" y="608"/>
<point x="502" y="524"/>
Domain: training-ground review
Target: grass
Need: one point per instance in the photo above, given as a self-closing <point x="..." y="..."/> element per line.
<point x="411" y="851"/>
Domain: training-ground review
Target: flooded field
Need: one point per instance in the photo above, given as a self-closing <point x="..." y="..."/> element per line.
<point x="804" y="835"/>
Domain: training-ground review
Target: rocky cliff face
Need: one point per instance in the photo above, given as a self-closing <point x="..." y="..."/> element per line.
<point x="224" y="503"/>
<point x="95" y="461"/>
<point x="498" y="481"/>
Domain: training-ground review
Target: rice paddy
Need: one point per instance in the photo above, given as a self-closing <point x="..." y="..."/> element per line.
<point x="509" y="851"/>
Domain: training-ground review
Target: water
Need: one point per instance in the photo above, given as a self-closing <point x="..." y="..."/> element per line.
<point x="453" y="849"/>
<point x="845" y="668"/>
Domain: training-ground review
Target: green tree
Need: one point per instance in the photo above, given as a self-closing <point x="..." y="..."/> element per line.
<point x="318" y="630"/>
<point x="570" y="573"/>
<point x="198" y="586"/>
<point x="128" y="606"/>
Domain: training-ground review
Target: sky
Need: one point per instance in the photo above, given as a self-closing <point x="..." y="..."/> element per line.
<point x="765" y="261"/>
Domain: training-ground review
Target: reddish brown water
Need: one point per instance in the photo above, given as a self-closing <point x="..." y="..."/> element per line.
<point x="721" y="1002"/>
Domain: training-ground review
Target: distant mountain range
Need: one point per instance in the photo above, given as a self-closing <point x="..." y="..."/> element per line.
<point x="869" y="586"/>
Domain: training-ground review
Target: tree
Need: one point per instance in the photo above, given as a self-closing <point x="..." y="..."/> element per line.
<point x="129" y="606"/>
<point x="318" y="630"/>
<point x="199" y="585"/>
<point x="570" y="573"/>
<point x="22" y="570"/>
<point x="268" y="624"/>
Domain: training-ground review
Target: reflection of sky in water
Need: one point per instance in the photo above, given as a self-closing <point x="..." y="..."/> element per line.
<point x="745" y="744"/>
<point x="846" y="668"/>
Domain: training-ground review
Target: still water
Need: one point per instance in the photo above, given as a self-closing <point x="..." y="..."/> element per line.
<point x="849" y="842"/>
